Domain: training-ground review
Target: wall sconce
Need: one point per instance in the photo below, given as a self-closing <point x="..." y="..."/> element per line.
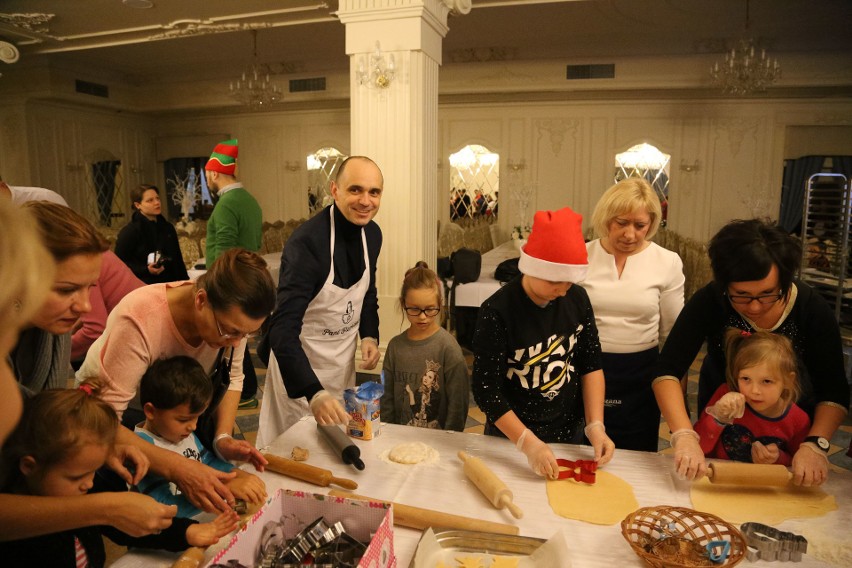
<point x="136" y="170"/>
<point x="292" y="166"/>
<point x="378" y="72"/>
<point x="689" y="168"/>
<point x="516" y="166"/>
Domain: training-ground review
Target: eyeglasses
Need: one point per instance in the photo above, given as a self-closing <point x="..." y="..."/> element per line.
<point x="765" y="299"/>
<point x="430" y="312"/>
<point x="238" y="335"/>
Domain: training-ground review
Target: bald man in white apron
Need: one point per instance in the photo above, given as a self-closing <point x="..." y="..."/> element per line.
<point x="326" y="299"/>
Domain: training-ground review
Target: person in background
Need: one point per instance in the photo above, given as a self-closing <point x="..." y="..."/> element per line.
<point x="114" y="283"/>
<point x="64" y="437"/>
<point x="26" y="271"/>
<point x="754" y="417"/>
<point x="754" y="289"/>
<point x="236" y="221"/>
<point x="148" y="244"/>
<point x="20" y="195"/>
<point x="208" y="320"/>
<point x="480" y="204"/>
<point x="57" y="252"/>
<point x="326" y="299"/>
<point x="424" y="371"/>
<point x="636" y="290"/>
<point x="174" y="393"/>
<point x="537" y="358"/>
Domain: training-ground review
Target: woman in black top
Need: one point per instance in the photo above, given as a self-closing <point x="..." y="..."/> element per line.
<point x="754" y="288"/>
<point x="149" y="244"/>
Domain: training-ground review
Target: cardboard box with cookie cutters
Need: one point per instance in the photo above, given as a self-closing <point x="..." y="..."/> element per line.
<point x="298" y="509"/>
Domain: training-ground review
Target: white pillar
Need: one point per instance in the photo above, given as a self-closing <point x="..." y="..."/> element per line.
<point x="397" y="127"/>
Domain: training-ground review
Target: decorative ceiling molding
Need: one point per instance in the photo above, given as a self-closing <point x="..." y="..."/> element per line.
<point x="31" y="22"/>
<point x="481" y="54"/>
<point x="184" y="28"/>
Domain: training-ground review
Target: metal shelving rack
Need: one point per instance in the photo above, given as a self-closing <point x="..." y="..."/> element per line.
<point x="826" y="227"/>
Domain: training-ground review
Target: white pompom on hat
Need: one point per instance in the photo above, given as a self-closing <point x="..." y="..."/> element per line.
<point x="556" y="249"/>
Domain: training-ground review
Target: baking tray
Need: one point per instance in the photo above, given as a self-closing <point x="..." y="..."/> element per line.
<point x="484" y="543"/>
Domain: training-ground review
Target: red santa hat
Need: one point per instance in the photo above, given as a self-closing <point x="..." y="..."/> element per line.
<point x="556" y="249"/>
<point x="224" y="157"/>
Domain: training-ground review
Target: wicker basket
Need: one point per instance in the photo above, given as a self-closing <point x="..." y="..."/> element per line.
<point x="675" y="537"/>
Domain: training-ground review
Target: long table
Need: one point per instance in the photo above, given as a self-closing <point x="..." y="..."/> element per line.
<point x="473" y="294"/>
<point x="443" y="486"/>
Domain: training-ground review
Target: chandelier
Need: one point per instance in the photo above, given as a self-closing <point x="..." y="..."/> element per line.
<point x="379" y="72"/>
<point x="253" y="88"/>
<point x="746" y="68"/>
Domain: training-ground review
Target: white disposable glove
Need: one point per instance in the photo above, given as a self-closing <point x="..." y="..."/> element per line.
<point x="728" y="408"/>
<point x="327" y="409"/>
<point x="761" y="453"/>
<point x="603" y="445"/>
<point x="539" y="455"/>
<point x="810" y="465"/>
<point x="688" y="457"/>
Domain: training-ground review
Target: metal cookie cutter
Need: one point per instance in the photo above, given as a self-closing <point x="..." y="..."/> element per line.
<point x="581" y="470"/>
<point x="768" y="543"/>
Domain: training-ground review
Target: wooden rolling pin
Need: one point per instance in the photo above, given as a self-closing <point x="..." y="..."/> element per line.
<point x="417" y="518"/>
<point x="305" y="472"/>
<point x="489" y="484"/>
<point x="191" y="558"/>
<point x="748" y="474"/>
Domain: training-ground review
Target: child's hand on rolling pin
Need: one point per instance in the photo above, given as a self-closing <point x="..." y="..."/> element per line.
<point x="603" y="445"/>
<point x="728" y="408"/>
<point x="764" y="453"/>
<point x="208" y="534"/>
<point x="248" y="487"/>
<point x="539" y="455"/>
<point x="327" y="409"/>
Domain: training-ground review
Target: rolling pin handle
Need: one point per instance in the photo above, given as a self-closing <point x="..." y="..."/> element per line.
<point x="506" y="501"/>
<point x="344" y="483"/>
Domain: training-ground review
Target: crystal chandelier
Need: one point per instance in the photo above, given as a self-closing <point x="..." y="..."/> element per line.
<point x="746" y="68"/>
<point x="254" y="89"/>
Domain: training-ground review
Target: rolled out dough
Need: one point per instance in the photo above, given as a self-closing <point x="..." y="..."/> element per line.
<point x="412" y="452"/>
<point x="605" y="502"/>
<point x="767" y="505"/>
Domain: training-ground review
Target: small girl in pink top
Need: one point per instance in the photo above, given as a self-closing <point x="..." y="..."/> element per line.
<point x="754" y="417"/>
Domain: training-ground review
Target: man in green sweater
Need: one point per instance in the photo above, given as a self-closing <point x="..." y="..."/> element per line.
<point x="236" y="221"/>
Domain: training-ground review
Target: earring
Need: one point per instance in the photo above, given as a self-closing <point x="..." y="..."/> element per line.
<point x="18" y="305"/>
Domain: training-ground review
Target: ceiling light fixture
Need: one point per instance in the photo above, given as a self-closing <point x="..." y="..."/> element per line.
<point x="254" y="89"/>
<point x="747" y="68"/>
<point x="380" y="71"/>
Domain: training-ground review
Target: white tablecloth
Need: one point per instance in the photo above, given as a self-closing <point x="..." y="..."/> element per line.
<point x="443" y="486"/>
<point x="474" y="293"/>
<point x="273" y="263"/>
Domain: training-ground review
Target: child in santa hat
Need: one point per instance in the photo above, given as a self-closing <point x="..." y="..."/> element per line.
<point x="537" y="358"/>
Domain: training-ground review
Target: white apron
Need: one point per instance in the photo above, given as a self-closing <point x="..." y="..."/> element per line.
<point x="329" y="337"/>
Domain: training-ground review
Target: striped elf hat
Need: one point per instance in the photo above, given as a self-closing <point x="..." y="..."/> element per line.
<point x="224" y="158"/>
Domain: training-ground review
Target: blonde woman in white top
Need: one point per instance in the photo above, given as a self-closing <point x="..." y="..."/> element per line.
<point x="636" y="290"/>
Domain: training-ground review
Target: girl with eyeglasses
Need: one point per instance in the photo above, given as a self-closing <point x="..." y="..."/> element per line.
<point x="425" y="374"/>
<point x="754" y="289"/>
<point x="207" y="320"/>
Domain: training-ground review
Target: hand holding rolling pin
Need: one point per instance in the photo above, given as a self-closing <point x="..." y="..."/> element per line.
<point x="603" y="445"/>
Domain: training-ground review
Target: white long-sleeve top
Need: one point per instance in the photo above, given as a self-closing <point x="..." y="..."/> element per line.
<point x="636" y="311"/>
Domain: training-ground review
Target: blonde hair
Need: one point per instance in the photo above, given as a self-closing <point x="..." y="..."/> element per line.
<point x="627" y="196"/>
<point x="56" y="423"/>
<point x="745" y="350"/>
<point x="26" y="267"/>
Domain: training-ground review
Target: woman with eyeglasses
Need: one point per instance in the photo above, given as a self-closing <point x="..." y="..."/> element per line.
<point x="425" y="374"/>
<point x="208" y="320"/>
<point x="754" y="289"/>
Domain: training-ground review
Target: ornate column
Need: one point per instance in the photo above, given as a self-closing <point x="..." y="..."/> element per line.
<point x="396" y="124"/>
